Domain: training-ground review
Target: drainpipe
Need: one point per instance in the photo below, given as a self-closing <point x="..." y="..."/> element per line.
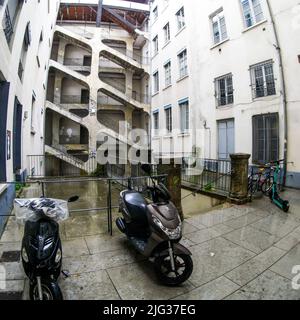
<point x="284" y="94"/>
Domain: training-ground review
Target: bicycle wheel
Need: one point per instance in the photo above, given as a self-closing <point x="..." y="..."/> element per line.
<point x="267" y="185"/>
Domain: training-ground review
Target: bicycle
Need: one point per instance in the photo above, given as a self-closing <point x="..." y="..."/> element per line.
<point x="261" y="181"/>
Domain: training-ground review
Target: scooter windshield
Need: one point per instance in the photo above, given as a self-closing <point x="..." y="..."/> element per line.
<point x="33" y="209"/>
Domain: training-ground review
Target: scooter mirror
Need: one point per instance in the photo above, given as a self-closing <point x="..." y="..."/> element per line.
<point x="73" y="199"/>
<point x="146" y="168"/>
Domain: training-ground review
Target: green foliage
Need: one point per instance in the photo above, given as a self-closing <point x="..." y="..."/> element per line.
<point x="99" y="172"/>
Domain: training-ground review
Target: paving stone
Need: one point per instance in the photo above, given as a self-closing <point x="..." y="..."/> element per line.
<point x="255" y="266"/>
<point x="214" y="290"/>
<point x="138" y="282"/>
<point x="189" y="228"/>
<point x="74" y="248"/>
<point x="99" y="261"/>
<point x="277" y="224"/>
<point x="214" y="258"/>
<point x="222" y="229"/>
<point x="202" y="235"/>
<point x="268" y="286"/>
<point x="103" y="243"/>
<point x="243" y="221"/>
<point x="252" y="239"/>
<point x="88" y="286"/>
<point x="13" y="270"/>
<point x="289" y="241"/>
<point x="286" y="264"/>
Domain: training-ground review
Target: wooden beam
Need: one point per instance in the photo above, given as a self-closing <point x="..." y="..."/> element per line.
<point x="99" y="14"/>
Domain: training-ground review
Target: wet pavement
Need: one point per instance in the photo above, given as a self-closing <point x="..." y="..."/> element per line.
<point x="239" y="252"/>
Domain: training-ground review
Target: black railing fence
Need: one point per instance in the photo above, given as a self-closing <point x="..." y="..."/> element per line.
<point x="207" y="174"/>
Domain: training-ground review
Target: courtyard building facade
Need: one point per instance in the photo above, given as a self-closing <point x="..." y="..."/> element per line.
<point x="228" y="69"/>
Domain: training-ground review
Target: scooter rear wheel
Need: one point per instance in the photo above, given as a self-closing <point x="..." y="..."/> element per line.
<point x="183" y="266"/>
<point x="50" y="289"/>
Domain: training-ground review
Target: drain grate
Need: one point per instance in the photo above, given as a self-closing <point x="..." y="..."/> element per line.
<point x="11" y="295"/>
<point x="10" y="256"/>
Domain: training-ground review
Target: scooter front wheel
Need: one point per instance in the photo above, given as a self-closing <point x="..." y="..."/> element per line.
<point x="165" y="274"/>
<point x="50" y="291"/>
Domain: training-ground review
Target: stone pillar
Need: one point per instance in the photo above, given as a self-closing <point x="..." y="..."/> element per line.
<point x="129" y="48"/>
<point x="57" y="88"/>
<point x="173" y="182"/>
<point x="239" y="178"/>
<point x="128" y="83"/>
<point x="55" y="129"/>
<point x="128" y="128"/>
<point x="61" y="51"/>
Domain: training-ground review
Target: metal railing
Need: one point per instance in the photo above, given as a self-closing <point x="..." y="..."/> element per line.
<point x="96" y="195"/>
<point x="208" y="175"/>
<point x="66" y="165"/>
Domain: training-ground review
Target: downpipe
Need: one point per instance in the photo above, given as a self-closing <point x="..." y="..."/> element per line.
<point x="283" y="89"/>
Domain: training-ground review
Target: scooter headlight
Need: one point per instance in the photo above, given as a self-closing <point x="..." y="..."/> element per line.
<point x="24" y="255"/>
<point x="58" y="256"/>
<point x="173" y="234"/>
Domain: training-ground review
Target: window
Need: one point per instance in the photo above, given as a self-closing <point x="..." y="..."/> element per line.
<point x="10" y="17"/>
<point x="168" y="74"/>
<point x="155" y="82"/>
<point x="183" y="67"/>
<point x="168" y="112"/>
<point x="262" y="79"/>
<point x="155" y="13"/>
<point x="26" y="43"/>
<point x="180" y="19"/>
<point x="184" y="116"/>
<point x="39" y="48"/>
<point x="224" y="90"/>
<point x="156" y="122"/>
<point x="219" y="27"/>
<point x="167" y="32"/>
<point x="252" y="11"/>
<point x="155" y="45"/>
<point x="265" y="138"/>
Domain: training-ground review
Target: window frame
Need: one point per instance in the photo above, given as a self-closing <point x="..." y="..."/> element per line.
<point x="155" y="45"/>
<point x="269" y="87"/>
<point x="167" y="32"/>
<point x="253" y="16"/>
<point x="267" y="139"/>
<point x="169" y="119"/>
<point x="184" y="108"/>
<point x="155" y="122"/>
<point x="222" y="33"/>
<point x="180" y="14"/>
<point x="168" y="75"/>
<point x="155" y="84"/>
<point x="183" y="69"/>
<point x="218" y="92"/>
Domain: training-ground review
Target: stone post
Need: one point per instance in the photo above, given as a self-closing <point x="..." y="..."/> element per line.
<point x="173" y="181"/>
<point x="239" y="178"/>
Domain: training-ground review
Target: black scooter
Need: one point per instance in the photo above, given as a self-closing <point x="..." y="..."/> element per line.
<point x="42" y="251"/>
<point x="155" y="230"/>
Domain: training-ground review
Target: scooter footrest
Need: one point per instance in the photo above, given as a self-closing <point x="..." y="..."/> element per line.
<point x="139" y="244"/>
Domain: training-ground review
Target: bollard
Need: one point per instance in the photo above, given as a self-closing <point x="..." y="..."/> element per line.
<point x="173" y="181"/>
<point x="239" y="178"/>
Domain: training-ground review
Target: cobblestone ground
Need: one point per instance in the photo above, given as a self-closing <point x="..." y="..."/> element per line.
<point x="239" y="252"/>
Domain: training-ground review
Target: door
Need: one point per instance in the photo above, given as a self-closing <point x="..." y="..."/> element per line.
<point x="17" y="136"/>
<point x="226" y="141"/>
<point x="4" y="92"/>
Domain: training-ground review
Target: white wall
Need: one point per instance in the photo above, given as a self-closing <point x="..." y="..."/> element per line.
<point x="243" y="49"/>
<point x="34" y="78"/>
